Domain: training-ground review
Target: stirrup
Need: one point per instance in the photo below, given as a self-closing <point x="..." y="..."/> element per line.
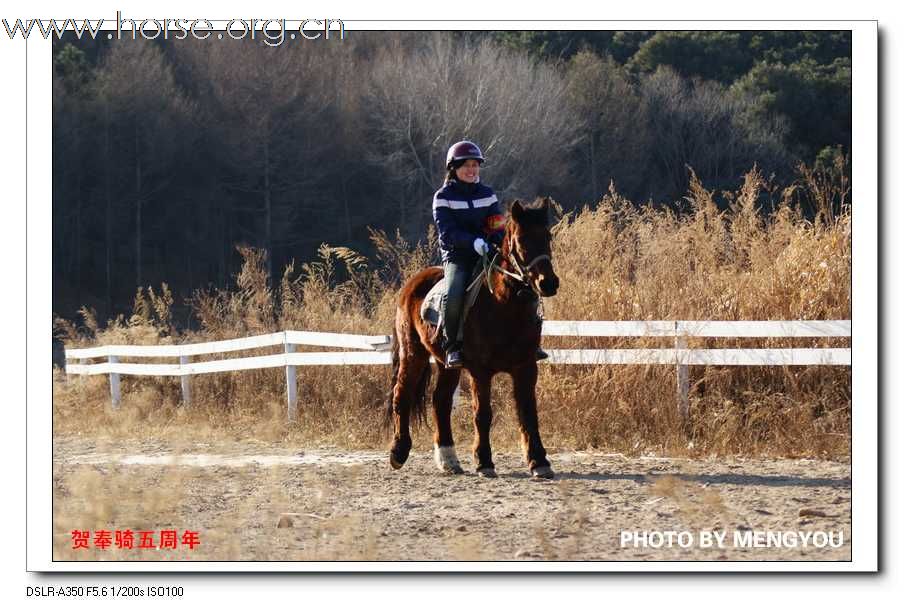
<point x="453" y="359"/>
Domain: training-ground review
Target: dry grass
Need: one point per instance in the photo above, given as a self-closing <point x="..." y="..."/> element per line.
<point x="224" y="509"/>
<point x="617" y="261"/>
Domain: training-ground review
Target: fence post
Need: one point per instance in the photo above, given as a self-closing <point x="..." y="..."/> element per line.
<point x="114" y="382"/>
<point x="186" y="384"/>
<point x="681" y="374"/>
<point x="291" y="389"/>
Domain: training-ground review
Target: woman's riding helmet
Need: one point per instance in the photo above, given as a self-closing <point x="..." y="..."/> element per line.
<point x="462" y="151"/>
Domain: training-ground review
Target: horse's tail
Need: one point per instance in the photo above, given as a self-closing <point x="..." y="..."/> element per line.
<point x="419" y="409"/>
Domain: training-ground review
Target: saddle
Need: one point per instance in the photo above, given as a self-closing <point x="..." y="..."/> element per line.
<point x="432" y="306"/>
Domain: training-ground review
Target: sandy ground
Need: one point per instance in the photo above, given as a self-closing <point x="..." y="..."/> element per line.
<point x="261" y="501"/>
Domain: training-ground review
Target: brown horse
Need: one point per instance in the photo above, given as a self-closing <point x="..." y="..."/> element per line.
<point x="501" y="335"/>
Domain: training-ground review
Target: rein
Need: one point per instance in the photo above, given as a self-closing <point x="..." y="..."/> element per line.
<point x="489" y="264"/>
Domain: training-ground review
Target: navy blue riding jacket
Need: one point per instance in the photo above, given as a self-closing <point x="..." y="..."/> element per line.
<point x="463" y="212"/>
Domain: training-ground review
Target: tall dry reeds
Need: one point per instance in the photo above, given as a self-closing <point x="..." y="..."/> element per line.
<point x="616" y="261"/>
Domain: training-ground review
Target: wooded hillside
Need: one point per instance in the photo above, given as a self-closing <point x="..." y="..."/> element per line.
<point x="168" y="155"/>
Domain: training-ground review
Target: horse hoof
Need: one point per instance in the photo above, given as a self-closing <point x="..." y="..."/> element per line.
<point x="543" y="472"/>
<point x="397" y="461"/>
<point x="398" y="453"/>
<point x="451" y="469"/>
<point x="487" y="473"/>
<point x="446" y="460"/>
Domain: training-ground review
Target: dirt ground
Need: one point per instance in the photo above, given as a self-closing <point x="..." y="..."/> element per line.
<point x="262" y="501"/>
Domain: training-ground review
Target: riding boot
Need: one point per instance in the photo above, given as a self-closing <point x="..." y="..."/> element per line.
<point x="452" y="345"/>
<point x="453" y="356"/>
<point x="541" y="354"/>
<point x="456" y="277"/>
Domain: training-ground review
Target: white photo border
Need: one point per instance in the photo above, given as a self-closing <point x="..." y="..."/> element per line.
<point x="864" y="495"/>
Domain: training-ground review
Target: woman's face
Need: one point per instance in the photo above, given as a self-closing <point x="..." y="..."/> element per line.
<point x="469" y="171"/>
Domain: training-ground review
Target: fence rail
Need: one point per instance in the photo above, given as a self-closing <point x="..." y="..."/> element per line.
<point x="239" y="344"/>
<point x="372" y="350"/>
<point x="700" y="329"/>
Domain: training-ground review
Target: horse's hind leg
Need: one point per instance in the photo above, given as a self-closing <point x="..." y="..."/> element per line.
<point x="443" y="445"/>
<point x="404" y="395"/>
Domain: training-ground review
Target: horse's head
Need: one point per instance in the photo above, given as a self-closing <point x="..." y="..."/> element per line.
<point x="528" y="243"/>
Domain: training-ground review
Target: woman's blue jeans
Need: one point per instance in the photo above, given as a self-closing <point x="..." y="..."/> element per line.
<point x="456" y="276"/>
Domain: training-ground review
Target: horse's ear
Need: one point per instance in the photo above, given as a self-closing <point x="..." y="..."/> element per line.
<point x="517" y="210"/>
<point x="547" y="206"/>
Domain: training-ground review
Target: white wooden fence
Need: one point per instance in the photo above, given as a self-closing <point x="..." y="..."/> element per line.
<point x="373" y="350"/>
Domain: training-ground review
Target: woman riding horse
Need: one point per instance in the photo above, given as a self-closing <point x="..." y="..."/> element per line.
<point x="469" y="220"/>
<point x="501" y="333"/>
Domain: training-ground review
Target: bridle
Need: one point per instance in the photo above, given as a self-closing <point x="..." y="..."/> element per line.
<point x="522" y="271"/>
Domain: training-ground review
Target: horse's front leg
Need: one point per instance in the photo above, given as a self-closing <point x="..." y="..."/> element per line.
<point x="483" y="418"/>
<point x="524" y="381"/>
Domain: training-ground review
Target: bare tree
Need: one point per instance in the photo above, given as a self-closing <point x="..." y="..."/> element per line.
<point x="613" y="133"/>
<point x="268" y="108"/>
<point x="696" y="123"/>
<point x="71" y="135"/>
<point x="426" y="93"/>
<point x="143" y="112"/>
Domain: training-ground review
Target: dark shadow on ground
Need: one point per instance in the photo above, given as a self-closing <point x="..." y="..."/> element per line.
<point x="756" y="480"/>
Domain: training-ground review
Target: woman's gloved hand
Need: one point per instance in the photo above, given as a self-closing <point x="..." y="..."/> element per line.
<point x="481" y="246"/>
